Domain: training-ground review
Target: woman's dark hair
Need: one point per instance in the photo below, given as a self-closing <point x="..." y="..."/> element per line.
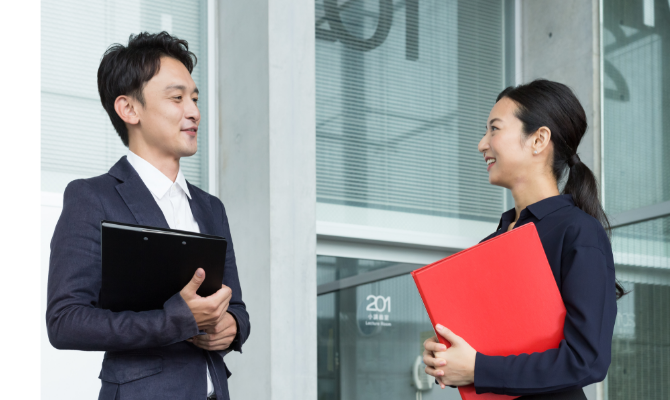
<point x="124" y="70"/>
<point x="552" y="104"/>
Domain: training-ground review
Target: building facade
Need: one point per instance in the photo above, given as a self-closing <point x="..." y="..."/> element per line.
<point x="342" y="138"/>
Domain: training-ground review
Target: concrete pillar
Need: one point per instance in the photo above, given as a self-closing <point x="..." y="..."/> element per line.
<point x="268" y="185"/>
<point x="560" y="41"/>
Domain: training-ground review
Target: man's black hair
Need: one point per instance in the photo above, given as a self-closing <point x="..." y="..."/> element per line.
<point x="124" y="70"/>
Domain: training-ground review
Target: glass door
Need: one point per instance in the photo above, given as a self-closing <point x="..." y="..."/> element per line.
<point x="370" y="335"/>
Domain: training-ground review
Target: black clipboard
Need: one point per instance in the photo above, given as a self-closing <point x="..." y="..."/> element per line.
<point x="143" y="266"/>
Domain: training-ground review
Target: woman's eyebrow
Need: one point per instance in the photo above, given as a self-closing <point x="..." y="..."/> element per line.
<point x="494" y="120"/>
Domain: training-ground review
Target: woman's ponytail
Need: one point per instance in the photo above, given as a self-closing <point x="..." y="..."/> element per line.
<point x="552" y="104"/>
<point x="583" y="187"/>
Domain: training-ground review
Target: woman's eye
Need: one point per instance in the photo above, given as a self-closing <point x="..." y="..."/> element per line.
<point x="195" y="101"/>
<point x="178" y="97"/>
<point x="493" y="128"/>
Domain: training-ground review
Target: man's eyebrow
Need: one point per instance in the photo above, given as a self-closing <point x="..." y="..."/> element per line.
<point x="180" y="87"/>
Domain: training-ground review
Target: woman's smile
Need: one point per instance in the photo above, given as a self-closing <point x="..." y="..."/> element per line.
<point x="489" y="162"/>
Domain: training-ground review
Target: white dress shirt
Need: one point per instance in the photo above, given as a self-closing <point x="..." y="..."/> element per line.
<point x="172" y="198"/>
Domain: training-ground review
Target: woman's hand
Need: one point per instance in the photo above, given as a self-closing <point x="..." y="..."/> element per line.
<point x="434" y="355"/>
<point x="454" y="366"/>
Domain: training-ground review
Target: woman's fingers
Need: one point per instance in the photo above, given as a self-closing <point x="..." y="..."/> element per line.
<point x="433" y="345"/>
<point x="434" y="372"/>
<point x="447" y="334"/>
<point x="431" y="361"/>
<point x="438" y="374"/>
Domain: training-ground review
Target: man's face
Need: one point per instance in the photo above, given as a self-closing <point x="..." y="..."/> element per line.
<point x="168" y="122"/>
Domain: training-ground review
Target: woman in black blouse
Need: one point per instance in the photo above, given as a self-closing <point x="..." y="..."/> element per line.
<point x="531" y="141"/>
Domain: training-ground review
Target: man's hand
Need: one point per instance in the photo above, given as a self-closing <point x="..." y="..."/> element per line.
<point x="454" y="366"/>
<point x="219" y="337"/>
<point x="207" y="311"/>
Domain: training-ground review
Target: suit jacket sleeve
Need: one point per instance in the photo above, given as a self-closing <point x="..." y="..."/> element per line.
<point x="73" y="320"/>
<point x="231" y="279"/>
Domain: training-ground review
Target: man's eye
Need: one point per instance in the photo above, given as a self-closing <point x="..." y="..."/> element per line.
<point x="195" y="101"/>
<point x="493" y="128"/>
<point x="178" y="97"/>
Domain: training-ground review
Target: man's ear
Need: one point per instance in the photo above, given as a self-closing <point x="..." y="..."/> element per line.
<point x="126" y="108"/>
<point x="540" y="139"/>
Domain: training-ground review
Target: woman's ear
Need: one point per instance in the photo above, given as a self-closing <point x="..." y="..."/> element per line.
<point x="540" y="140"/>
<point x="125" y="107"/>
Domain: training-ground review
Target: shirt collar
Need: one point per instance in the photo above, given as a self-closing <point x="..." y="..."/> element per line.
<point x="507" y="218"/>
<point x="547" y="206"/>
<point x="157" y="183"/>
<point x="540" y="209"/>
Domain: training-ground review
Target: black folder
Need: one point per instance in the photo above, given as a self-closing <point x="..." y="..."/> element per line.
<point x="143" y="266"/>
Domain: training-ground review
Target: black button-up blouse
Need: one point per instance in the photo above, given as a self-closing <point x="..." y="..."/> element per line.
<point x="580" y="256"/>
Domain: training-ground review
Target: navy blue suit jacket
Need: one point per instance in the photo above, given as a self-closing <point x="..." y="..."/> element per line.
<point x="146" y="356"/>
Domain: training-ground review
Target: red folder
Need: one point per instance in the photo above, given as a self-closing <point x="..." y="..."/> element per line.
<point x="500" y="296"/>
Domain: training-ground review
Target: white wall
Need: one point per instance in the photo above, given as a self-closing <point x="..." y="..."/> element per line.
<point x="66" y="374"/>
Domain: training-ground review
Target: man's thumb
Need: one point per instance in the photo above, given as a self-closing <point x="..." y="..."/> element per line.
<point x="196" y="281"/>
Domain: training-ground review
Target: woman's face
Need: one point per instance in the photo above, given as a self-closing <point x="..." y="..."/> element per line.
<point x="507" y="152"/>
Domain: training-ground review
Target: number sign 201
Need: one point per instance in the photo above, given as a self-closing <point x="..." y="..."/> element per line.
<point x="377" y="301"/>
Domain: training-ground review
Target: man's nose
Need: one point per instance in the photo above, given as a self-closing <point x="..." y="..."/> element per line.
<point x="192" y="111"/>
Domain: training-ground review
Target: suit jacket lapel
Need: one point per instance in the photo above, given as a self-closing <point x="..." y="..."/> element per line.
<point x="202" y="210"/>
<point x="137" y="196"/>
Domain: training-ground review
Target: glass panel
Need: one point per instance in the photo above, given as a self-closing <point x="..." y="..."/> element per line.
<point x="329" y="269"/>
<point x="636" y="72"/>
<point x="636" y="58"/>
<point x="78" y="140"/>
<point x="403" y="90"/>
<point x="641" y="344"/>
<point x="645" y="245"/>
<point x="369" y="339"/>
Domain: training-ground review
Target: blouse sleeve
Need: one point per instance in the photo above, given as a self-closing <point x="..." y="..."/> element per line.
<point x="583" y="357"/>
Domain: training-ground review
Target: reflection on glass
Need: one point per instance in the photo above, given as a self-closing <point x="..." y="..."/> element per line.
<point x="636" y="58"/>
<point x="641" y="344"/>
<point x="369" y="338"/>
<point x="403" y="89"/>
<point x="645" y="245"/>
<point x="636" y="73"/>
<point x="330" y="269"/>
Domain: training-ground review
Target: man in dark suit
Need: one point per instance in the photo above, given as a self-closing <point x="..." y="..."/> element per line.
<point x="175" y="352"/>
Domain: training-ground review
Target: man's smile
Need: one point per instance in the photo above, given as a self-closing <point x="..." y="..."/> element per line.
<point x="192" y="131"/>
